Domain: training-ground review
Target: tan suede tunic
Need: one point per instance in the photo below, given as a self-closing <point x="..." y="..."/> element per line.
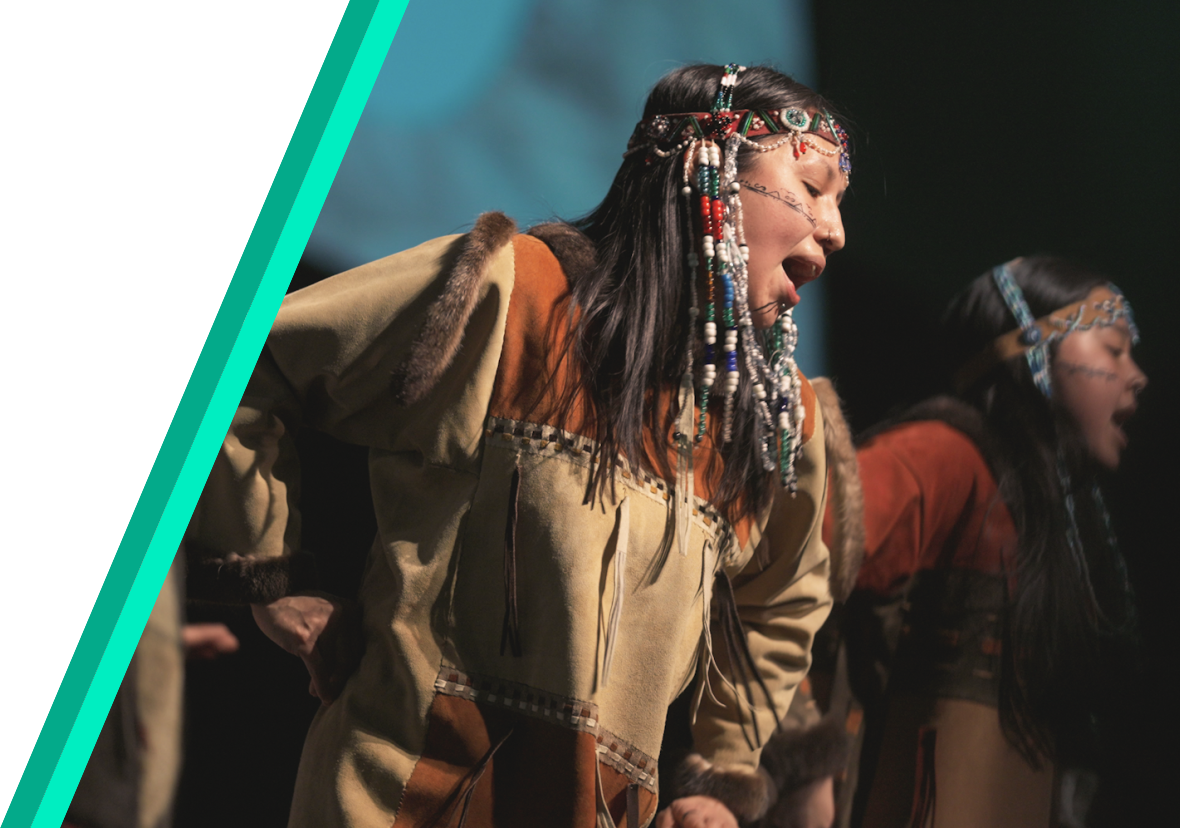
<point x="442" y="715"/>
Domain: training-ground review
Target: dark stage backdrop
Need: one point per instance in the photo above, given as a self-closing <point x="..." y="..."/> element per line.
<point x="990" y="130"/>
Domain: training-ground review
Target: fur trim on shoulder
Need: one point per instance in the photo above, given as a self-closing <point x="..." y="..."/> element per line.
<point x="845" y="492"/>
<point x="237" y="580"/>
<point x="794" y="758"/>
<point x="446" y="319"/>
<point x="748" y="793"/>
<point x="570" y="246"/>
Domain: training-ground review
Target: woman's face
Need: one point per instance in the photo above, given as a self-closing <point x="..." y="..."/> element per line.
<point x="1097" y="382"/>
<point x="791" y="214"/>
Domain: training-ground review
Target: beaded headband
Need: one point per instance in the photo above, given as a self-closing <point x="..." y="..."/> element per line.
<point x="1102" y="307"/>
<point x="666" y="135"/>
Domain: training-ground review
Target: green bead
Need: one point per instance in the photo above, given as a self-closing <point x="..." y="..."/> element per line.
<point x="746" y="121"/>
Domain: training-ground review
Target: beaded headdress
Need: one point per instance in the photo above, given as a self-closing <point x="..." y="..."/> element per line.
<point x="662" y="136"/>
<point x="708" y="143"/>
<point x="1102" y="307"/>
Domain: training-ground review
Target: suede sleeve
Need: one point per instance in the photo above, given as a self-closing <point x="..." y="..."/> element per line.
<point x="241" y="542"/>
<point x="782" y="597"/>
<point x="340" y="357"/>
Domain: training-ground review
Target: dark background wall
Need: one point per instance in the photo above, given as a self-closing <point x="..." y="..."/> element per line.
<point x="988" y="131"/>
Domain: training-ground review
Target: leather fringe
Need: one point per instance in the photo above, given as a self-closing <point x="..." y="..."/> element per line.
<point x="510" y="629"/>
<point x="466" y="786"/>
<point x="742" y="661"/>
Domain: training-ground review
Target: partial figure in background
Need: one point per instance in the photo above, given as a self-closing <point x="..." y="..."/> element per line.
<point x="993" y="608"/>
<point x="598" y="477"/>
<point x="131" y="776"/>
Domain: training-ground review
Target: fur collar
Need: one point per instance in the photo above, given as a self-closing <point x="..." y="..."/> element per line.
<point x="570" y="246"/>
<point x="845" y="495"/>
<point x="441" y="333"/>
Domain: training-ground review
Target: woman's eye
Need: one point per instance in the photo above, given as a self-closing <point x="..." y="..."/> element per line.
<point x="1114" y="352"/>
<point x="812" y="191"/>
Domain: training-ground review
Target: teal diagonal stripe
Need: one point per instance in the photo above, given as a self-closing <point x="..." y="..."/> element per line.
<point x="178" y="474"/>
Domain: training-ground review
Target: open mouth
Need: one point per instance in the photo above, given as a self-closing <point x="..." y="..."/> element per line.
<point x="1119" y="419"/>
<point x="801" y="271"/>
<point x="798" y="272"/>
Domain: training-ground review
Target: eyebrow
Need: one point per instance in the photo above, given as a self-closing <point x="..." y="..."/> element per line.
<point x="1124" y="331"/>
<point x="831" y="173"/>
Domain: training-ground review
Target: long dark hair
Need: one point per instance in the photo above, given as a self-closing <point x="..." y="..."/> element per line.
<point x="631" y="339"/>
<point x="1066" y="618"/>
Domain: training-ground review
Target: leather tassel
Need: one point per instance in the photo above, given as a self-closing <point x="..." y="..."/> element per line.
<point x="705" y="659"/>
<point x="510" y="629"/>
<point x="616" y="610"/>
<point x="684" y="475"/>
<point x="740" y="658"/>
<point x="633" y="805"/>
<point x="925" y="791"/>
<point x="467" y="786"/>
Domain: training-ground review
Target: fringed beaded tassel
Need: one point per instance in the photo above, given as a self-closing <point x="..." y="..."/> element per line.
<point x="770" y="362"/>
<point x="707" y="183"/>
<point x="789" y="405"/>
<point x="722" y="261"/>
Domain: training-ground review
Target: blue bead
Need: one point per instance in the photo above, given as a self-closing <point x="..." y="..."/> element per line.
<point x="1030" y="336"/>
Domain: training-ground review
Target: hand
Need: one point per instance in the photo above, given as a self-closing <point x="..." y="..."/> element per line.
<point x="322" y="630"/>
<point x="207" y="641"/>
<point x="812" y="806"/>
<point x="696" y="812"/>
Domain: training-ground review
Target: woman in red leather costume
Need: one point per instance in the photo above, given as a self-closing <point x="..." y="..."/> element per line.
<point x="992" y="594"/>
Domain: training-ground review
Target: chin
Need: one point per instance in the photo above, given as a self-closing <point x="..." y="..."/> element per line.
<point x="1109" y="459"/>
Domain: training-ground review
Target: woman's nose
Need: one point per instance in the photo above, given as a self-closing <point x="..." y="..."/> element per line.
<point x="1138" y="379"/>
<point x="831" y="234"/>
